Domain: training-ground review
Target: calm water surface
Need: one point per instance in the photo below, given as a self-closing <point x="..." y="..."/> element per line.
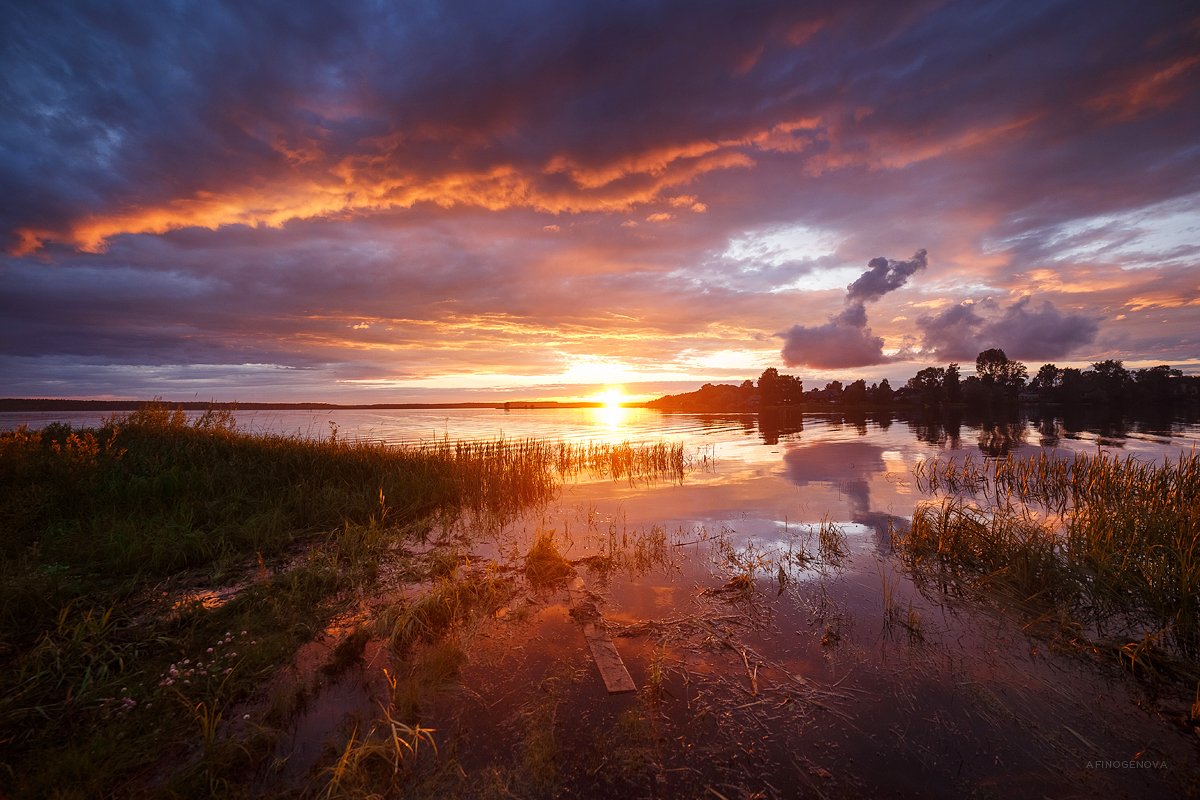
<point x="804" y="687"/>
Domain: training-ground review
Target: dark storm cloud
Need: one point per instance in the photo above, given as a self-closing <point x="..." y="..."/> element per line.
<point x="410" y="188"/>
<point x="1024" y="330"/>
<point x="213" y="113"/>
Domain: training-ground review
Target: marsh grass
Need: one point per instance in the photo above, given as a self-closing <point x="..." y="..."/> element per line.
<point x="831" y="543"/>
<point x="450" y="601"/>
<point x="1115" y="542"/>
<point x="380" y="759"/>
<point x="545" y="565"/>
<point x="103" y="530"/>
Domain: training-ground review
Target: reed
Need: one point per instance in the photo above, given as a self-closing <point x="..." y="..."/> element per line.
<point x="1113" y="539"/>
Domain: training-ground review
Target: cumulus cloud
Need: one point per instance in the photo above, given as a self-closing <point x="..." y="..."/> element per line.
<point x="884" y="275"/>
<point x="1024" y="330"/>
<point x="846" y="341"/>
<point x="834" y="345"/>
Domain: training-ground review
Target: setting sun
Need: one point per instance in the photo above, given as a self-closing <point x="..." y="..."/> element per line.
<point x="611" y="398"/>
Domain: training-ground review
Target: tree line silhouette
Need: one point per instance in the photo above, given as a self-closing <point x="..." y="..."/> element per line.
<point x="999" y="381"/>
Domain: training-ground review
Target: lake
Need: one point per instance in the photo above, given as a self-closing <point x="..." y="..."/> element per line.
<point x="832" y="671"/>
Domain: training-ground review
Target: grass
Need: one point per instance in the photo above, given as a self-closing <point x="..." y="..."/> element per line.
<point x="105" y="530"/>
<point x="544" y="564"/>
<point x="1113" y="542"/>
<point x="449" y="601"/>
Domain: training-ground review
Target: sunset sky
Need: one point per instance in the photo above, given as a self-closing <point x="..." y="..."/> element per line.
<point x="376" y="201"/>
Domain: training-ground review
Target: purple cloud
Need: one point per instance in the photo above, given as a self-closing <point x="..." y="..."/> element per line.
<point x="1023" y="330"/>
<point x="846" y="341"/>
<point x="884" y="275"/>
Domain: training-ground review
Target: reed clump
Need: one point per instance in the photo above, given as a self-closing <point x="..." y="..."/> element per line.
<point x="545" y="565"/>
<point x="1114" y="540"/>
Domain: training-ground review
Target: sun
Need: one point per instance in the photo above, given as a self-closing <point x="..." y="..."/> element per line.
<point x="611" y="398"/>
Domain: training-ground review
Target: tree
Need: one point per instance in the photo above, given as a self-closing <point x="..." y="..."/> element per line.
<point x="883" y="392"/>
<point x="1111" y="377"/>
<point x="928" y="385"/>
<point x="950" y="384"/>
<point x="1154" y="385"/>
<point x="1048" y="377"/>
<point x="768" y="387"/>
<point x="856" y="392"/>
<point x="1000" y="375"/>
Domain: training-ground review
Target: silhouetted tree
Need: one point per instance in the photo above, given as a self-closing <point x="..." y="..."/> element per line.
<point x="1002" y="378"/>
<point x="950" y="385"/>
<point x="883" y="392"/>
<point x="927" y="385"/>
<point x="791" y="390"/>
<point x="1048" y="378"/>
<point x="1111" y="379"/>
<point x="1155" y="385"/>
<point x="856" y="392"/>
<point x="768" y="387"/>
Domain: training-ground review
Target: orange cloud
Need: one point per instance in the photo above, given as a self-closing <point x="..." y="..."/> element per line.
<point x="373" y="183"/>
<point x="1151" y="91"/>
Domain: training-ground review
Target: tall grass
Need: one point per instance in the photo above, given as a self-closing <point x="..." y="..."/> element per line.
<point x="96" y="524"/>
<point x="1113" y="539"/>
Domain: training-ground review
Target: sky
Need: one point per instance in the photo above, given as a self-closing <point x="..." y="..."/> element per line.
<point x="417" y="201"/>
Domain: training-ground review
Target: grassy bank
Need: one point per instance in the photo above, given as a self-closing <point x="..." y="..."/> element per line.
<point x="154" y="573"/>
<point x="1109" y="547"/>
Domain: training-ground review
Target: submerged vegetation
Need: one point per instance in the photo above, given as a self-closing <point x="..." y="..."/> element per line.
<point x="1113" y="542"/>
<point x="155" y="572"/>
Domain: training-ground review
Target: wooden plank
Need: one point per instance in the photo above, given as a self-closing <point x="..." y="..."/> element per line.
<point x="612" y="669"/>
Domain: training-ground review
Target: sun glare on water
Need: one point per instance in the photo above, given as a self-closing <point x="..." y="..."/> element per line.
<point x="612" y="411"/>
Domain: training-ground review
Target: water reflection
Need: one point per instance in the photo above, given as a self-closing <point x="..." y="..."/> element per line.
<point x="612" y="417"/>
<point x="998" y="439"/>
<point x="846" y="465"/>
<point x="774" y="424"/>
<point x="940" y="429"/>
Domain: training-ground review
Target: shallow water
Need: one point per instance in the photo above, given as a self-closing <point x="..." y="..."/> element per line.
<point x="806" y="685"/>
<point x="802" y="683"/>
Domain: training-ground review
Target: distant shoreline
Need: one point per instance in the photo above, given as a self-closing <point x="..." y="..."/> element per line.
<point x="50" y="404"/>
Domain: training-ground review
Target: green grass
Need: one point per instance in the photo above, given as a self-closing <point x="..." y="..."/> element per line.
<point x="102" y="530"/>
<point x="1114" y="543"/>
